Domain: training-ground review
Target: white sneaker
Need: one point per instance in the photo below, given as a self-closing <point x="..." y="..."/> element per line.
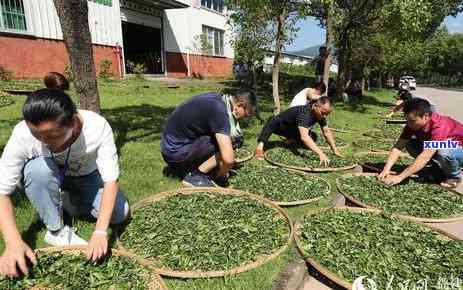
<point x="65" y="237"/>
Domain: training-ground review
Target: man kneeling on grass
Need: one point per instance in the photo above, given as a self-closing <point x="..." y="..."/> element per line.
<point x="59" y="153"/>
<point x="201" y="134"/>
<point x="425" y="125"/>
<point x="295" y="125"/>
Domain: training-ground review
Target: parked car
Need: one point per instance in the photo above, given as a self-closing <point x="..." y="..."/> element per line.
<point x="408" y="80"/>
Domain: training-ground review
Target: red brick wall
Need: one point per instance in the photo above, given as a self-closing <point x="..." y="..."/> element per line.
<point x="34" y="57"/>
<point x="200" y="66"/>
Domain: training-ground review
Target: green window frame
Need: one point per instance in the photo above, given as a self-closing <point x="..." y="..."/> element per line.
<point x="104" y="2"/>
<point x="12" y="15"/>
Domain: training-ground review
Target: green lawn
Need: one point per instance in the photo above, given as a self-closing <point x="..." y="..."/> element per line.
<point x="137" y="110"/>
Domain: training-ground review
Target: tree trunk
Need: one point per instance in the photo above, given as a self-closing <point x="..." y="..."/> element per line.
<point x="276" y="64"/>
<point x="73" y="16"/>
<point x="328" y="44"/>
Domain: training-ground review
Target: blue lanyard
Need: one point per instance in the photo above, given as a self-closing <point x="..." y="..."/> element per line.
<point x="64" y="169"/>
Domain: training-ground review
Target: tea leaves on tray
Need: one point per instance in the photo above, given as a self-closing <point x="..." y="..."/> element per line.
<point x="385" y="131"/>
<point x="409" y="197"/>
<point x="382" y="248"/>
<point x="379" y="161"/>
<point x="242" y="153"/>
<point x="71" y="270"/>
<point x="371" y="144"/>
<point x="278" y="184"/>
<point x="304" y="158"/>
<point x="205" y="231"/>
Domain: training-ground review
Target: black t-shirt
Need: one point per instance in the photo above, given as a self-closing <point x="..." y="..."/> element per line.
<point x="202" y="115"/>
<point x="299" y="116"/>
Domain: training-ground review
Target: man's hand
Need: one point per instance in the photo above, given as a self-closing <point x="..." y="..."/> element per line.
<point x="393" y="180"/>
<point x="97" y="246"/>
<point x="324" y="161"/>
<point x="16" y="256"/>
<point x="385" y="173"/>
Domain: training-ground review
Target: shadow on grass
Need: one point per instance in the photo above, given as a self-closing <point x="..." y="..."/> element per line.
<point x="141" y="123"/>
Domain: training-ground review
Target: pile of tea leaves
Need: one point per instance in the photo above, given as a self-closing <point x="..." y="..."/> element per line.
<point x="378" y="161"/>
<point x="381" y="248"/>
<point x="278" y="184"/>
<point x="339" y="142"/>
<point x="385" y="131"/>
<point x="5" y="99"/>
<point x="205" y="231"/>
<point x="371" y="144"/>
<point x="242" y="153"/>
<point x="410" y="197"/>
<point x="305" y="158"/>
<point x="71" y="270"/>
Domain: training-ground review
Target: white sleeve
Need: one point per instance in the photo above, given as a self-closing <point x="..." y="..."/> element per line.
<point x="106" y="159"/>
<point x="12" y="163"/>
<point x="300" y="99"/>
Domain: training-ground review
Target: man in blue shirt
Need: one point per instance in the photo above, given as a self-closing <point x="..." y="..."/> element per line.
<point x="201" y="134"/>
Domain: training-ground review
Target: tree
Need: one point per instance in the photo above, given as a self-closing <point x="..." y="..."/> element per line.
<point x="73" y="16"/>
<point x="278" y="18"/>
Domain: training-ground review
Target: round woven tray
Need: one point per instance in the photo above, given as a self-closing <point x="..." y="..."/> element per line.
<point x="396" y="121"/>
<point x="298" y="202"/>
<point x="409" y="217"/>
<point x="358" y="157"/>
<point x="342" y="130"/>
<point x="154" y="280"/>
<point x="309" y="169"/>
<point x="325" y="271"/>
<point x="18" y="91"/>
<point x="209" y="274"/>
<point x="358" y="142"/>
<point x="248" y="157"/>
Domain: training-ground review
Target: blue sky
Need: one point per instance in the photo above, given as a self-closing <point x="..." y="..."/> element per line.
<point x="311" y="34"/>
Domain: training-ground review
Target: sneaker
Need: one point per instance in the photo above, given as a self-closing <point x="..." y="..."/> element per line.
<point x="198" y="180"/>
<point x="65" y="237"/>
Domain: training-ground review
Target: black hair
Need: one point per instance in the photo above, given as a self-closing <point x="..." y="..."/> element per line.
<point x="55" y="80"/>
<point x="248" y="98"/>
<point x="49" y="105"/>
<point x="322" y="47"/>
<point x="419" y="107"/>
<point x="405" y="95"/>
<point x="322" y="101"/>
<point x="321" y="87"/>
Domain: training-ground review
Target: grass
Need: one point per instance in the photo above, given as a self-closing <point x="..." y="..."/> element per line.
<point x="137" y="110"/>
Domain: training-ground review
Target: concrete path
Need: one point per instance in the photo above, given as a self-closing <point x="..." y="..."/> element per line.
<point x="449" y="103"/>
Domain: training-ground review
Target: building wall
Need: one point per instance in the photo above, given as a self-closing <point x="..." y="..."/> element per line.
<point x="40" y="49"/>
<point x="200" y="66"/>
<point x="181" y="26"/>
<point x="49" y="55"/>
<point x="104" y="21"/>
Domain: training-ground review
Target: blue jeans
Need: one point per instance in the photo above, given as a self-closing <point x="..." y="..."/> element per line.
<point x="450" y="161"/>
<point x="83" y="194"/>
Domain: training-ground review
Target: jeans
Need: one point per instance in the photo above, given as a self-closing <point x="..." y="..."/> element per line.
<point x="450" y="161"/>
<point x="193" y="155"/>
<point x="83" y="194"/>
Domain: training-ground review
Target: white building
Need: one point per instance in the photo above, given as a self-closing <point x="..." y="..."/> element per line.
<point x="162" y="34"/>
<point x="293" y="59"/>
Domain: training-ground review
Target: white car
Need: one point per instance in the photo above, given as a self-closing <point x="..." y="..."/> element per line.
<point x="408" y="81"/>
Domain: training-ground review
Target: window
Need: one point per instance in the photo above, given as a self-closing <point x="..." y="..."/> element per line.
<point x="214" y="39"/>
<point x="103" y="2"/>
<point x="216" y="5"/>
<point x="12" y="16"/>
